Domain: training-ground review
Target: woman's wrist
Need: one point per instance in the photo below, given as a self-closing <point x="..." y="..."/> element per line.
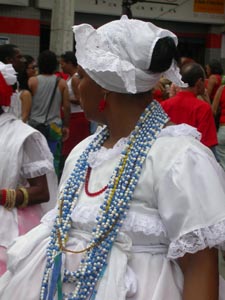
<point x="11" y="198"/>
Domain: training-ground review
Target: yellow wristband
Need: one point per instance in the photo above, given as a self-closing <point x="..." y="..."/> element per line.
<point x="25" y="197"/>
<point x="10" y="199"/>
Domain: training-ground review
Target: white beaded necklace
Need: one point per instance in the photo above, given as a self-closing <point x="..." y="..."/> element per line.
<point x="112" y="212"/>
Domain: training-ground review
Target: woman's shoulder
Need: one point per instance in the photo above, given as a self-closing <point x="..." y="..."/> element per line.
<point x="25" y="93"/>
<point x="174" y="144"/>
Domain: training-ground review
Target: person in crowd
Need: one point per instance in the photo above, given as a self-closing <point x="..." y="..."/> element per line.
<point x="46" y="107"/>
<point x="79" y="126"/>
<point x="185" y="107"/>
<point x="27" y="177"/>
<point x="173" y="90"/>
<point x="218" y="105"/>
<point x="214" y="73"/>
<point x="22" y="110"/>
<point x="138" y="216"/>
<point x="21" y="98"/>
<point x="11" y="54"/>
<point x="30" y="66"/>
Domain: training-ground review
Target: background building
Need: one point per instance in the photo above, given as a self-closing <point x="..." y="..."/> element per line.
<point x="36" y="25"/>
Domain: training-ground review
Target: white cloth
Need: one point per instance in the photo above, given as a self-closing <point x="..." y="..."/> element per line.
<point x="8" y="73"/>
<point x="24" y="154"/>
<point x="118" y="54"/>
<point x="16" y="104"/>
<point x="74" y="108"/>
<point x="174" y="210"/>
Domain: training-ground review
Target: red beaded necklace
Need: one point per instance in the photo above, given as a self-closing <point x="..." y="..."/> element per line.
<point x="94" y="194"/>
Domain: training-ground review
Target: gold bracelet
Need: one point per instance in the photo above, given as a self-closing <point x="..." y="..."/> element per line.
<point x="25" y="197"/>
<point x="10" y="199"/>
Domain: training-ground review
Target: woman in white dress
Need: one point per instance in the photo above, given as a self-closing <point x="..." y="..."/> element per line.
<point x="141" y="204"/>
<point x="27" y="177"/>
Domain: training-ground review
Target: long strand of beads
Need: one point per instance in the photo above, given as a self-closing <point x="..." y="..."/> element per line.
<point x="113" y="211"/>
<point x="67" y="202"/>
<point x="102" y="221"/>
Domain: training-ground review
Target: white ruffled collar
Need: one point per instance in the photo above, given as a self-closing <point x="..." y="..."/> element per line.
<point x="180" y="130"/>
<point x="96" y="158"/>
<point x="103" y="154"/>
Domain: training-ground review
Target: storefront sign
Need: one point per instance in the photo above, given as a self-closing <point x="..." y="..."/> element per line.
<point x="209" y="6"/>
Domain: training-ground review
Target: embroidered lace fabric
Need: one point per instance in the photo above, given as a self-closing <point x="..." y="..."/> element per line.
<point x="197" y="240"/>
<point x="121" y="66"/>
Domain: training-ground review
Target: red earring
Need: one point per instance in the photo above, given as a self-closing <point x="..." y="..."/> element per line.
<point x="102" y="104"/>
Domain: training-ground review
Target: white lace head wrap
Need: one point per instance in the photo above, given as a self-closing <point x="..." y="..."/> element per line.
<point x="118" y="54"/>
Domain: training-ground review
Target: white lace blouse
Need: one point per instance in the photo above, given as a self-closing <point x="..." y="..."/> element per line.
<point x="179" y="202"/>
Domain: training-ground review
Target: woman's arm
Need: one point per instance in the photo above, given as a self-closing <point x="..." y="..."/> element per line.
<point x="33" y="84"/>
<point x="216" y="100"/>
<point x="201" y="278"/>
<point x="65" y="107"/>
<point x="212" y="81"/>
<point x="36" y="193"/>
<point x="26" y="100"/>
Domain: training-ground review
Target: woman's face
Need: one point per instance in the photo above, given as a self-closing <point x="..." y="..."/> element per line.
<point x="90" y="95"/>
<point x="63" y="65"/>
<point x="32" y="69"/>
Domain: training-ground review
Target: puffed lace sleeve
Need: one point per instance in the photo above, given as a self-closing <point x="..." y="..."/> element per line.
<point x="191" y="201"/>
<point x="37" y="158"/>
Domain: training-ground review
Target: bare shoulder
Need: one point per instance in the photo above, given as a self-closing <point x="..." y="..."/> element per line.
<point x="25" y="93"/>
<point x="33" y="80"/>
<point x="33" y="83"/>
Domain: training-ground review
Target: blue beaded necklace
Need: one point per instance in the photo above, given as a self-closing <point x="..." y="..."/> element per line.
<point x="111" y="215"/>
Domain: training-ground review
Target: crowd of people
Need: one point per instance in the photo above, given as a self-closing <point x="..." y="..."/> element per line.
<point x="135" y="210"/>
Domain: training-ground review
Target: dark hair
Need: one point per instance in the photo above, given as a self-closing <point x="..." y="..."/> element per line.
<point x="191" y="73"/>
<point x="215" y="67"/>
<point x="47" y="62"/>
<point x="164" y="52"/>
<point x="69" y="57"/>
<point x="7" y="51"/>
<point x="28" y="60"/>
<point x="22" y="76"/>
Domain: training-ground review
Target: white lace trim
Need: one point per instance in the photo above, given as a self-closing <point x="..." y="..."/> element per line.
<point x="197" y="240"/>
<point x="37" y="168"/>
<point x="135" y="222"/>
<point x="148" y="225"/>
<point x="179" y="130"/>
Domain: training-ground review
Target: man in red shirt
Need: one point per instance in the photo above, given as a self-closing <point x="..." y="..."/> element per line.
<point x="185" y="107"/>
